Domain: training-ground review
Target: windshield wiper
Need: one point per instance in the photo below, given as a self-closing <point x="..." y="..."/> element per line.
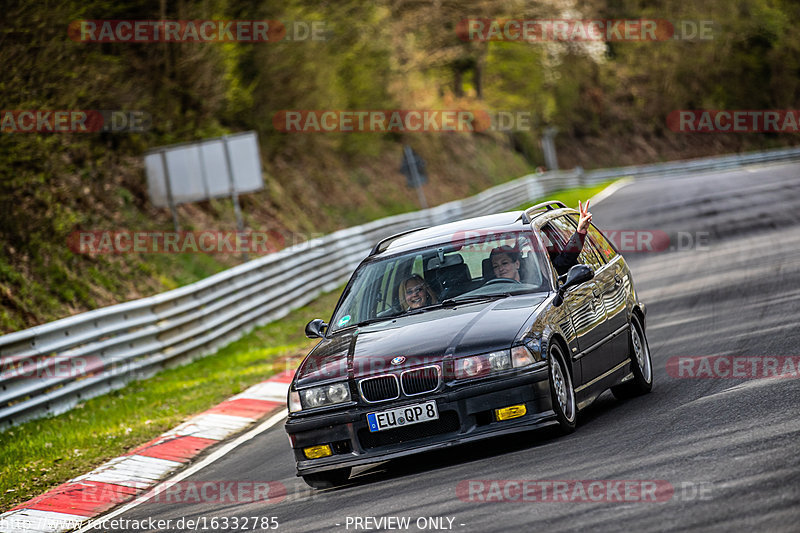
<point x="418" y="311"/>
<point x="449" y="302"/>
<point x="369" y="321"/>
<point x="472" y="299"/>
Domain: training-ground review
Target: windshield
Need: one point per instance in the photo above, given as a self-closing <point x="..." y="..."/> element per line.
<point x="482" y="267"/>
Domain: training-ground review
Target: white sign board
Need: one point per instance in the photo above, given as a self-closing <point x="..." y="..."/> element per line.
<point x="199" y="171"/>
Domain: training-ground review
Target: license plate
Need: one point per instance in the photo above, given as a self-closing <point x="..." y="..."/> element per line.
<point x="402" y="416"/>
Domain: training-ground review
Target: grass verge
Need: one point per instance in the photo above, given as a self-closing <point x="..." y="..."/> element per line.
<point x="571" y="196"/>
<point x="41" y="454"/>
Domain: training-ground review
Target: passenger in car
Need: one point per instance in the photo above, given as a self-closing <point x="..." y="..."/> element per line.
<point x="505" y="262"/>
<point x="415" y="293"/>
<point x="568" y="257"/>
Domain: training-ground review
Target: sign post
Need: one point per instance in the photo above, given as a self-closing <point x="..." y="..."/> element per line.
<point x="549" y="148"/>
<point x="234" y="193"/>
<point x="170" y="199"/>
<point x="414" y="170"/>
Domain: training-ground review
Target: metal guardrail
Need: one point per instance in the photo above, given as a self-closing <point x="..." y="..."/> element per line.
<point x="48" y="369"/>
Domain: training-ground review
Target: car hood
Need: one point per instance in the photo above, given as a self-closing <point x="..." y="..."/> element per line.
<point x="465" y="329"/>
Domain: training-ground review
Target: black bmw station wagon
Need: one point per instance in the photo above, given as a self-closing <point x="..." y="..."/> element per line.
<point x="463" y="331"/>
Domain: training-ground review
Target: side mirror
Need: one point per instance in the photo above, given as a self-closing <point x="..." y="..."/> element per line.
<point x="316" y="328"/>
<point x="577" y="274"/>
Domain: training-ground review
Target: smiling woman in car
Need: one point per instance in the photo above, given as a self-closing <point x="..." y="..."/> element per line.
<point x="416" y="293"/>
<point x="505" y="263"/>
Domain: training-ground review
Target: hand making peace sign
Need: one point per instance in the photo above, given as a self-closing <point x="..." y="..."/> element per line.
<point x="586" y="217"/>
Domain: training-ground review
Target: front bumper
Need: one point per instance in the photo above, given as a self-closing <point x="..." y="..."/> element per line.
<point x="466" y="413"/>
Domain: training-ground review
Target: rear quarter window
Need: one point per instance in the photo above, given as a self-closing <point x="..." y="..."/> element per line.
<point x="600" y="242"/>
<point x="589" y="254"/>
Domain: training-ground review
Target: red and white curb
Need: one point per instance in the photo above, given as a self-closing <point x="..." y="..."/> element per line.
<point x="75" y="502"/>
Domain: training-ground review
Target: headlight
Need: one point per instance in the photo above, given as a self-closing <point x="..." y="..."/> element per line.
<point x="487" y="363"/>
<point x="325" y="395"/>
<point x="470" y="367"/>
<point x="499" y="360"/>
<point x="482" y="365"/>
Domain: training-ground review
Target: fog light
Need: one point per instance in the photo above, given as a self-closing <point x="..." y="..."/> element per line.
<point x="513" y="411"/>
<point x="315" y="452"/>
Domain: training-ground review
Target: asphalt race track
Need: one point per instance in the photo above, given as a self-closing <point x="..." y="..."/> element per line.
<point x="723" y="452"/>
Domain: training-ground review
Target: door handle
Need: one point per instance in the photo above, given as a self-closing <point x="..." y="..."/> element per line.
<point x="617" y="280"/>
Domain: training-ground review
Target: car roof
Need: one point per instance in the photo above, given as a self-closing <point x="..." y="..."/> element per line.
<point x="419" y="238"/>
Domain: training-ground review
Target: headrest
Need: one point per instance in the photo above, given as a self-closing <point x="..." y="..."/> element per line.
<point x="486" y="269"/>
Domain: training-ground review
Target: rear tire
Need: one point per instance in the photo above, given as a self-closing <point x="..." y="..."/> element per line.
<point x="641" y="364"/>
<point x="328" y="479"/>
<point x="562" y="393"/>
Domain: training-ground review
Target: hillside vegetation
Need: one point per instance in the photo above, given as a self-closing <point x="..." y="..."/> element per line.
<point x="609" y="101"/>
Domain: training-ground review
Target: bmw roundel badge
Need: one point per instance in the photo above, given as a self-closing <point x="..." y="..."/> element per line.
<point x="398" y="360"/>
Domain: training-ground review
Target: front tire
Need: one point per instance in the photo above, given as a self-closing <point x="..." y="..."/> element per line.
<point x="641" y="364"/>
<point x="328" y="479"/>
<point x="562" y="393"/>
